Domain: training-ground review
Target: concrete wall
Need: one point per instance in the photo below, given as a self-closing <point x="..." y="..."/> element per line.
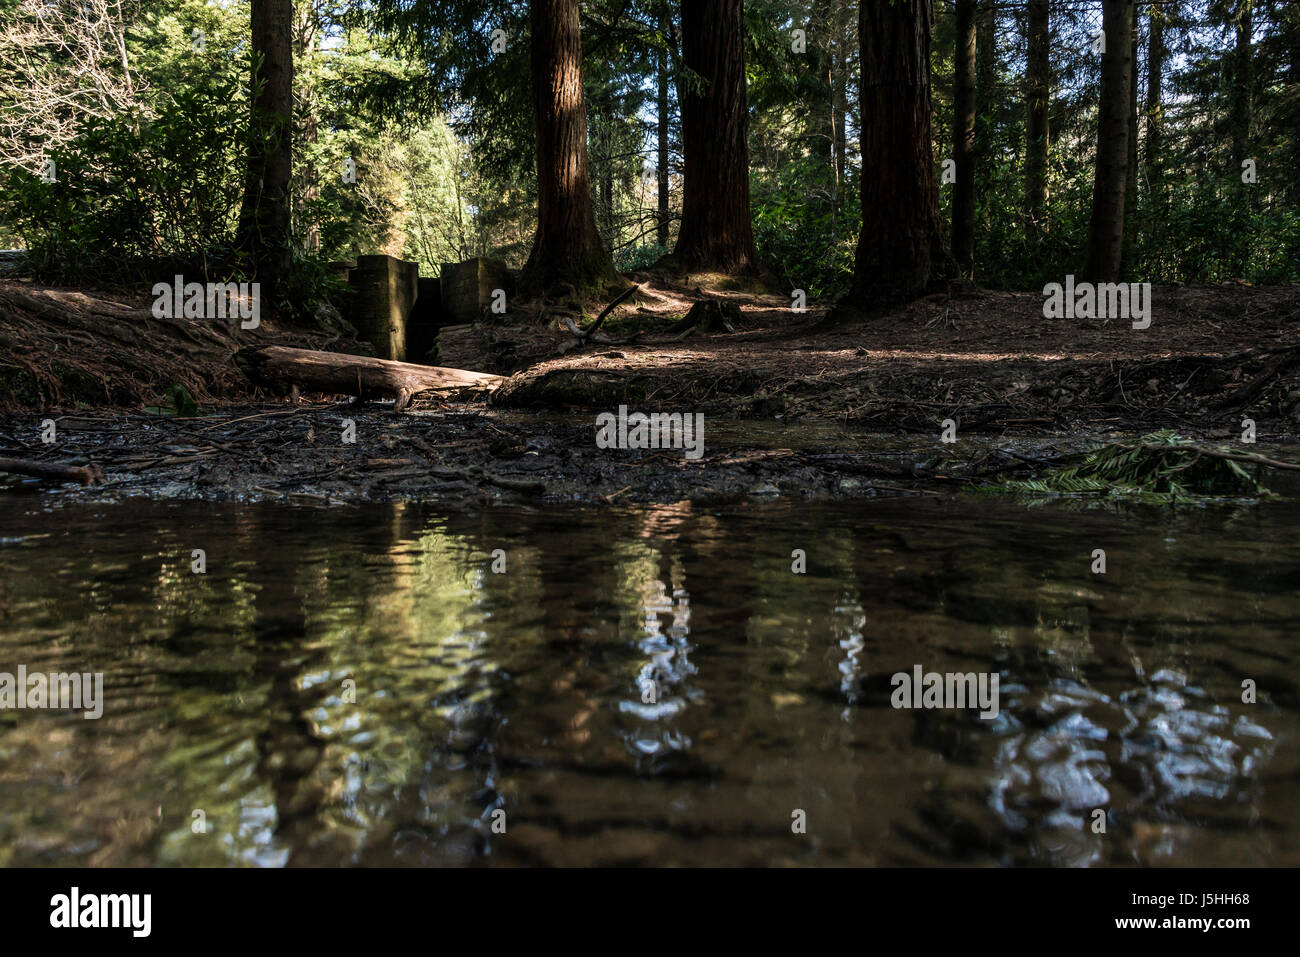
<point x="467" y="288"/>
<point x="385" y="292"/>
<point x="399" y="313"/>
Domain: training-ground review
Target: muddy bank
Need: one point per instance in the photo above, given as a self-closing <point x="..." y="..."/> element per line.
<point x="470" y="456"/>
<point x="990" y="361"/>
<point x="793" y="406"/>
<point x="460" y="455"/>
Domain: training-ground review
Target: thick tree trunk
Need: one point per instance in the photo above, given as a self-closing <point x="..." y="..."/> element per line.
<point x="264" y="218"/>
<point x="715" y="232"/>
<point x="1243" y="76"/>
<point x="661" y="165"/>
<point x="901" y="253"/>
<point x="1038" y="97"/>
<point x="1106" y="230"/>
<point x="1155" y="107"/>
<point x="963" y="140"/>
<point x="1291" y="184"/>
<point x="567" y="247"/>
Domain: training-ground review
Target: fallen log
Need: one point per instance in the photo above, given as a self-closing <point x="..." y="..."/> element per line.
<point x="281" y="368"/>
<point x="85" y="474"/>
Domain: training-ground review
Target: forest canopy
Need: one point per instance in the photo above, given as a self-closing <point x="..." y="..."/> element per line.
<point x="419" y="129"/>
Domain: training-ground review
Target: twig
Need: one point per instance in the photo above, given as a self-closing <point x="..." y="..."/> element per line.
<point x="609" y="499"/>
<point x="177" y="460"/>
<point x="477" y="473"/>
<point x="514" y="485"/>
<point x="610" y="308"/>
<point x="1230" y="456"/>
<point x="245" y="418"/>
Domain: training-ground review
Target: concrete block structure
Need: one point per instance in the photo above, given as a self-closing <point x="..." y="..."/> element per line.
<point x="386" y="289"/>
<point x="400" y="313"/>
<point x="467" y="288"/>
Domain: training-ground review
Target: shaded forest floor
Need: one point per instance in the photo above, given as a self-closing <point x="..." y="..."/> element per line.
<point x="990" y="362"/>
<point x="793" y="405"/>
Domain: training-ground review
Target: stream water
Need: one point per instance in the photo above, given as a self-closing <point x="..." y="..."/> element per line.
<point x="373" y="685"/>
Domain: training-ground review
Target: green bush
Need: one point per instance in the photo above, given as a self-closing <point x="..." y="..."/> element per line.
<point x="633" y="258"/>
<point x="133" y="194"/>
<point x="797" y="235"/>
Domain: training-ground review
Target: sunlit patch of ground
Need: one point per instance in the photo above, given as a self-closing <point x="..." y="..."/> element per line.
<point x="1210" y="355"/>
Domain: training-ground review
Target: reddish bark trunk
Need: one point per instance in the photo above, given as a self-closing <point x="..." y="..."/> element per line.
<point x="901" y="252"/>
<point x="567" y="247"/>
<point x="715" y="233"/>
<point x="264" y="216"/>
<point x="661" y="145"/>
<point x="1106" y="231"/>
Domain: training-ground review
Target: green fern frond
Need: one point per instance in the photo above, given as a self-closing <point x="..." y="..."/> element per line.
<point x="1162" y="466"/>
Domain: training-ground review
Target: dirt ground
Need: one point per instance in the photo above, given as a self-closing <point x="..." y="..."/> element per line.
<point x="794" y="404"/>
<point x="990" y="362"/>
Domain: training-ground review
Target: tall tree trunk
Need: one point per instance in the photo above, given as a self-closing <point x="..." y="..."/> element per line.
<point x="1243" y="76"/>
<point x="841" y="99"/>
<point x="963" y="140"/>
<point x="1131" y="193"/>
<point x="988" y="107"/>
<point x="1106" y="230"/>
<point x="1292" y="47"/>
<point x="567" y="247"/>
<point x="986" y="67"/>
<point x="1155" y="107"/>
<point x="826" y="42"/>
<point x="311" y="186"/>
<point x="901" y="252"/>
<point x="821" y="111"/>
<point x="661" y="165"/>
<point x="308" y="101"/>
<point x="1131" y="177"/>
<point x="264" y="217"/>
<point x="607" y="164"/>
<point x="821" y="55"/>
<point x="715" y="231"/>
<point x="839" y="117"/>
<point x="1038" y="75"/>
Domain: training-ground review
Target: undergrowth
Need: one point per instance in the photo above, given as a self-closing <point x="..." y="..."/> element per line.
<point x="1162" y="467"/>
